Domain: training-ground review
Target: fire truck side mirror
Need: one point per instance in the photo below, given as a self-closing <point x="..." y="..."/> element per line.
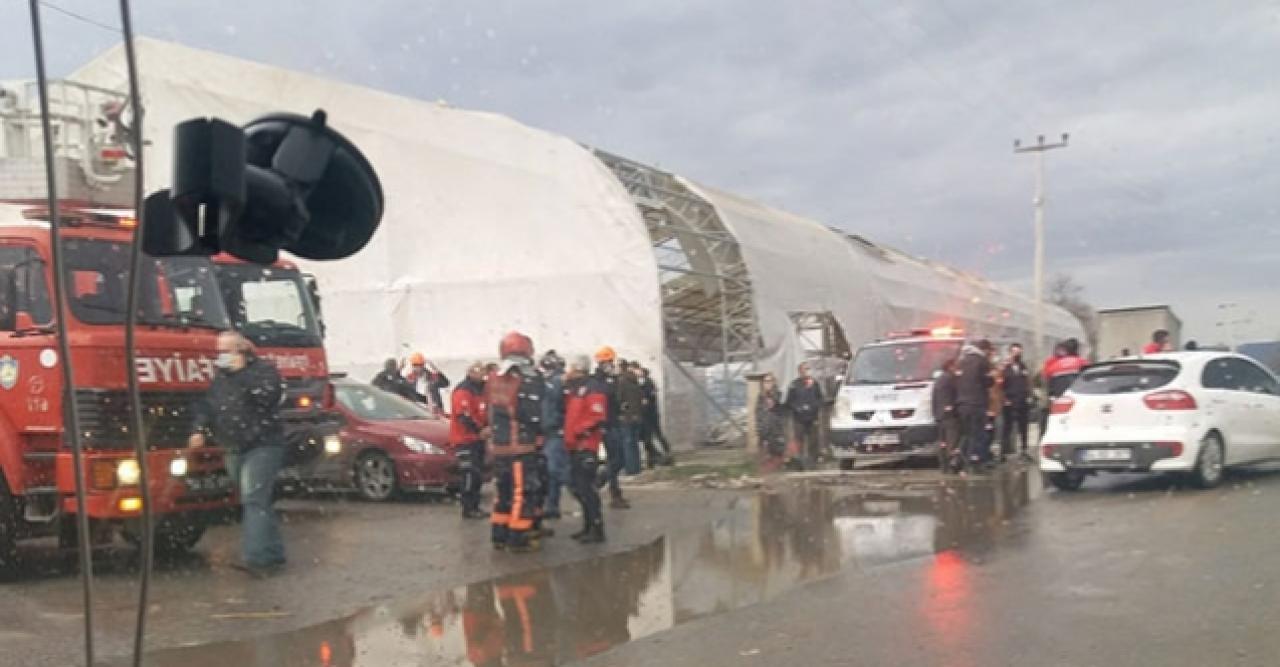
<point x="9" y="299"/>
<point x="284" y="182"/>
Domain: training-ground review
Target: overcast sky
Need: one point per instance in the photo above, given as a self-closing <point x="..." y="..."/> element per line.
<point x="890" y="119"/>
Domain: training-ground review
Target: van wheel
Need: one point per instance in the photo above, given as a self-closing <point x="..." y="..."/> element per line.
<point x="846" y="465"/>
<point x="8" y="533"/>
<point x="1067" y="481"/>
<point x="1209" y="464"/>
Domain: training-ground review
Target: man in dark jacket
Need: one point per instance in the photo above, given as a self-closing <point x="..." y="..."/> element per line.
<point x="944" y="414"/>
<point x="805" y="400"/>
<point x="1017" y="397"/>
<point x="390" y="380"/>
<point x="553" y="448"/>
<point x="614" y="437"/>
<point x="630" y="415"/>
<point x="241" y="413"/>
<point x="973" y="381"/>
<point x="651" y="422"/>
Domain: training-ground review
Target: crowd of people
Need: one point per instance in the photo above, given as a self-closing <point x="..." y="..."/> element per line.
<point x="538" y="427"/>
<point x="802" y="405"/>
<point x="980" y="389"/>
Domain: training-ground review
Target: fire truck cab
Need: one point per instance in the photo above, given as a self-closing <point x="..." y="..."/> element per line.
<point x="180" y="313"/>
<point x="275" y="308"/>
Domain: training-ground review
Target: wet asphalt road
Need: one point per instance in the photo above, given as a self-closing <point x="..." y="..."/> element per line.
<point x="1130" y="571"/>
<point x="345" y="555"/>
<point x="902" y="568"/>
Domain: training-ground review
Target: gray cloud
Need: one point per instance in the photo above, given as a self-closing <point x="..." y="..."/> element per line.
<point x="894" y="121"/>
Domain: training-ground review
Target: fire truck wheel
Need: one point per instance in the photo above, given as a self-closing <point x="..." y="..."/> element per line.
<point x="8" y="533"/>
<point x="172" y="541"/>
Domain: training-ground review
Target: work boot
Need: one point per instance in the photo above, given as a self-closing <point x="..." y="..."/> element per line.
<point x="471" y="513"/>
<point x="586" y="528"/>
<point x="525" y="544"/>
<point x="619" y="503"/>
<point x="594" y="535"/>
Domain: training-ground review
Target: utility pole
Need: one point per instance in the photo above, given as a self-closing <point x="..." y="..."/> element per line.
<point x="1039" y="149"/>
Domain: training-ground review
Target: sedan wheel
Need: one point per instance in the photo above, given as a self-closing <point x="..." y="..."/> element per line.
<point x="1209" y="463"/>
<point x="375" y="477"/>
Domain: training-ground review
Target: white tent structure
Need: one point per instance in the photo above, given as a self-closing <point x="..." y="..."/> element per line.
<point x="491" y="225"/>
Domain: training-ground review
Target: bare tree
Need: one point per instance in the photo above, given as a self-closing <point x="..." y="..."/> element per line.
<point x="1068" y="295"/>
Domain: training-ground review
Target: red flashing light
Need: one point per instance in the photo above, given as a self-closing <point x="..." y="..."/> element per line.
<point x="1172" y="399"/>
<point x="113" y="154"/>
<point x="946" y="332"/>
<point x="1062" y="405"/>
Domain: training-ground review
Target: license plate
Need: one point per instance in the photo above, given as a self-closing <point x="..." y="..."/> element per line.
<point x="882" y="439"/>
<point x="1107" y="455"/>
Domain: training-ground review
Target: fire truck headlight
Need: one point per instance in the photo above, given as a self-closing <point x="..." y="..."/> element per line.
<point x="178" y="467"/>
<point x="332" y="444"/>
<point x="127" y="472"/>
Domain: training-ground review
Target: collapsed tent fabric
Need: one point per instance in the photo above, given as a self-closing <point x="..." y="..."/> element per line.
<point x="489" y="226"/>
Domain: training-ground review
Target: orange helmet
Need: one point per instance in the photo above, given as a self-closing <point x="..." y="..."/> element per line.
<point x="515" y="344"/>
<point x="416" y="359"/>
<point x="604" y="354"/>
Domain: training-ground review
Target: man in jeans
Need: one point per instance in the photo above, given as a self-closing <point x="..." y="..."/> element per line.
<point x="553" y="447"/>
<point x="241" y="413"/>
<point x="804" y="400"/>
<point x="1017" y="396"/>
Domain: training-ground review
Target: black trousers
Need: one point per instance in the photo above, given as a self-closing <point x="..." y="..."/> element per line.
<point x="583" y="467"/>
<point x="515" y="509"/>
<point x="973" y="432"/>
<point x="1015" y="416"/>
<point x="807" y="435"/>
<point x="471" y="469"/>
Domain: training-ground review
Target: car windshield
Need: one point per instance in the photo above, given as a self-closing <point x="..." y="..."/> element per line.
<point x="901" y="362"/>
<point x="374" y="404"/>
<point x="1125" y="378"/>
<point x="174" y="291"/>
<point x="269" y="305"/>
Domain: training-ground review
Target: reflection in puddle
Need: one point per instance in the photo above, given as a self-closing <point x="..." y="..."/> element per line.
<point x="764" y="548"/>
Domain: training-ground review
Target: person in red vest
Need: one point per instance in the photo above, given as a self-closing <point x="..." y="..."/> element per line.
<point x="468" y="429"/>
<point x="586" y="407"/>
<point x="1159" y="343"/>
<point x="1059" y="372"/>
<point x="515" y="395"/>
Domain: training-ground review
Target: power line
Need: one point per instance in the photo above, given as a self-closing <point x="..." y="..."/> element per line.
<point x="79" y="17"/>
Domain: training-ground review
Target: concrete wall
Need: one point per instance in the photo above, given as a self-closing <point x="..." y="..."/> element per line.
<point x="1132" y="329"/>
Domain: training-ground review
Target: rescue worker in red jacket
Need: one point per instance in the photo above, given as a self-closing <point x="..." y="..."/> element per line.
<point x="586" y="406"/>
<point x="468" y="429"/>
<point x="514" y="395"/>
<point x="1059" y="372"/>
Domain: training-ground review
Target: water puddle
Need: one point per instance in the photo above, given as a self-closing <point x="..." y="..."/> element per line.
<point x="767" y="546"/>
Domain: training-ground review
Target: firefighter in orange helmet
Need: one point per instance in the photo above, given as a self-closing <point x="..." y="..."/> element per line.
<point x="515" y="395"/>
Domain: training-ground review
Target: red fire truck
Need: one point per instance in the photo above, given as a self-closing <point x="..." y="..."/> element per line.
<point x="180" y="314"/>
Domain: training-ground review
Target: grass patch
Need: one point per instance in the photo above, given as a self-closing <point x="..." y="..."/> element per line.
<point x="726" y="470"/>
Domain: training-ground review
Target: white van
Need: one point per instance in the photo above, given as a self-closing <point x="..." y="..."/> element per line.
<point x="884" y="408"/>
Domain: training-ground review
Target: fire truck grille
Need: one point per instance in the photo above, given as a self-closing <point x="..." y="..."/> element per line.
<point x="104" y="418"/>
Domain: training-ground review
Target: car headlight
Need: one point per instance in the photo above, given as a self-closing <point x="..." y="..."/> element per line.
<point x="332" y="444"/>
<point x="178" y="467"/>
<point x="420" y="446"/>
<point x="128" y="472"/>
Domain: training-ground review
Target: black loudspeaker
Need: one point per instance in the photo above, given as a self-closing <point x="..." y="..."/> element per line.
<point x="284" y="182"/>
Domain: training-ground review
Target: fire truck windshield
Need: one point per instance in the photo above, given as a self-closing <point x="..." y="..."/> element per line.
<point x="269" y="305"/>
<point x="174" y="291"/>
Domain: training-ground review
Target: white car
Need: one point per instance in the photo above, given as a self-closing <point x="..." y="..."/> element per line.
<point x="1193" y="413"/>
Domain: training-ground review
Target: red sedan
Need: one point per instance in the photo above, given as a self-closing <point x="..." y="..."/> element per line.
<point x="389" y="444"/>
